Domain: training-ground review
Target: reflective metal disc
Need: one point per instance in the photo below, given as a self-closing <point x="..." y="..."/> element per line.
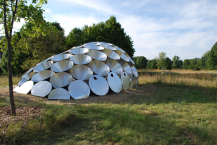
<point x="79" y="90"/>
<point x="114" y="66"/>
<point x="118" y="48"/>
<point x="79" y="50"/>
<point x="62" y="66"/>
<point x="31" y="69"/>
<point x="125" y="66"/>
<point x="43" y="66"/>
<point x="106" y="45"/>
<point x="98" y="85"/>
<point x="114" y="82"/>
<point x="42" y="75"/>
<point x="60" y="57"/>
<point x="134" y="82"/>
<point x="59" y="93"/>
<point x="99" y="67"/>
<point x="134" y="71"/>
<point x="93" y="46"/>
<point x="98" y="55"/>
<point x="131" y="61"/>
<point x="25" y="88"/>
<point x="16" y="89"/>
<point x="111" y="54"/>
<point x="25" y="78"/>
<point x="41" y="88"/>
<point x="61" y="79"/>
<point x="125" y="79"/>
<point x="81" y="72"/>
<point x="80" y="59"/>
<point x="122" y="55"/>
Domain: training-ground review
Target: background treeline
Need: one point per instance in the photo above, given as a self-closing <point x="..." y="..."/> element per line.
<point x="208" y="61"/>
<point x="29" y="49"/>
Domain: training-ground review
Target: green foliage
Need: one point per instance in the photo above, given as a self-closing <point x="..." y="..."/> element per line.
<point x="212" y="58"/>
<point x="168" y="63"/>
<point x="193" y="64"/>
<point x="140" y="62"/>
<point x="152" y="64"/>
<point x="186" y="63"/>
<point x="176" y="62"/>
<point x="161" y="60"/>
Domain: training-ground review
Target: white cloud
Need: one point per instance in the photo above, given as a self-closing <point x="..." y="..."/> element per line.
<point x="47" y="10"/>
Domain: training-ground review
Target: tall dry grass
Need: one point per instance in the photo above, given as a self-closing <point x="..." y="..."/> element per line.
<point x="4" y="80"/>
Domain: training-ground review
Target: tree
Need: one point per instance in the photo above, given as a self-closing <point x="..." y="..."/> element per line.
<point x="152" y="64"/>
<point x="12" y="11"/>
<point x="202" y="62"/>
<point x="161" y="60"/>
<point x="75" y="38"/>
<point x="168" y="63"/>
<point x="212" y="57"/>
<point x="186" y="64"/>
<point x="140" y="62"/>
<point x="193" y="64"/>
<point x="176" y="62"/>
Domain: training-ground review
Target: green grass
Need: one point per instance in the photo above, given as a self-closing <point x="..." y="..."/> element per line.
<point x="4" y="81"/>
<point x="170" y="114"/>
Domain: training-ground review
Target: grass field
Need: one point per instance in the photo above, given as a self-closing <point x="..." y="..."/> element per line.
<point x="169" y="107"/>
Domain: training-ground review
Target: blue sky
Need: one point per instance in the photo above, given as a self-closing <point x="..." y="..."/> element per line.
<point x="187" y="28"/>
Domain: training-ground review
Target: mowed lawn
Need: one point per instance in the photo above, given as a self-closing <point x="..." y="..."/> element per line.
<point x="169" y="107"/>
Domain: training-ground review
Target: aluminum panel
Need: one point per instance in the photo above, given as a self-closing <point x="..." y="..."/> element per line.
<point x="118" y="48"/>
<point x="42" y="75"/>
<point x="59" y="93"/>
<point x="79" y="90"/>
<point x="111" y="54"/>
<point x="114" y="82"/>
<point x="114" y="66"/>
<point x="93" y="46"/>
<point x="61" y="66"/>
<point x="60" y="57"/>
<point x="16" y="89"/>
<point x="41" y="89"/>
<point x="31" y="69"/>
<point x="61" y="79"/>
<point x="134" y="71"/>
<point x="25" y="78"/>
<point x="25" y="88"/>
<point x="131" y="61"/>
<point x="125" y="79"/>
<point x="125" y="66"/>
<point x="98" y="85"/>
<point x="43" y="66"/>
<point x="79" y="50"/>
<point x="98" y="55"/>
<point x="122" y="55"/>
<point x="81" y="72"/>
<point x="106" y="45"/>
<point x="80" y="59"/>
<point x="99" y="67"/>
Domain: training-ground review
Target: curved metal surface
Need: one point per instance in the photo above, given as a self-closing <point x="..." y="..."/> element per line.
<point x="114" y="82"/>
<point x="79" y="50"/>
<point x="99" y="67"/>
<point x="60" y="57"/>
<point x="25" y="88"/>
<point x="25" y="78"/>
<point x="43" y="66"/>
<point x="111" y="54"/>
<point x="80" y="59"/>
<point x="61" y="79"/>
<point x="59" y="93"/>
<point x="81" y="72"/>
<point x="98" y="85"/>
<point x="118" y="48"/>
<point x="134" y="82"/>
<point x="131" y="61"/>
<point x="114" y="66"/>
<point x="93" y="46"/>
<point x="61" y="66"/>
<point x="106" y="45"/>
<point x="16" y="89"/>
<point x="79" y="90"/>
<point x="42" y="75"/>
<point x="134" y="71"/>
<point x="122" y="55"/>
<point x="125" y="66"/>
<point x="125" y="79"/>
<point x="98" y="55"/>
<point x="41" y="88"/>
<point x="31" y="69"/>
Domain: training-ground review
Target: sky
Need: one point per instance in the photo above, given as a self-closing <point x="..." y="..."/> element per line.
<point x="186" y="28"/>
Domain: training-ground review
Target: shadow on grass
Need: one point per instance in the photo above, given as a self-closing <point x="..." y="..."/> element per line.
<point x="104" y="124"/>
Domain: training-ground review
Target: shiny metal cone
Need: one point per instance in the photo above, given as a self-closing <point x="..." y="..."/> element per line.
<point x="98" y="55"/>
<point x="98" y="85"/>
<point x="79" y="90"/>
<point x="60" y="57"/>
<point x="99" y="67"/>
<point x="61" y="66"/>
<point x="111" y="54"/>
<point x="125" y="66"/>
<point x="131" y="61"/>
<point x="24" y="88"/>
<point x="118" y="48"/>
<point x="114" y="66"/>
<point x="106" y="45"/>
<point x="125" y="79"/>
<point x="122" y="55"/>
<point x="134" y="71"/>
<point x="31" y="69"/>
<point x="79" y="50"/>
<point x="80" y="59"/>
<point x="81" y="72"/>
<point x="114" y="82"/>
<point x="42" y="75"/>
<point x="61" y="79"/>
<point x="93" y="46"/>
<point x="41" y="89"/>
<point x="59" y="93"/>
<point x="43" y="66"/>
<point x="25" y="78"/>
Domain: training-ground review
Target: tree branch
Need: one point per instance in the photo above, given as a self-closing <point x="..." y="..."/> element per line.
<point x="12" y="22"/>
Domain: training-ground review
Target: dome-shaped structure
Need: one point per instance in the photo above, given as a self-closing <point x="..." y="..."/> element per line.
<point x="94" y="66"/>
